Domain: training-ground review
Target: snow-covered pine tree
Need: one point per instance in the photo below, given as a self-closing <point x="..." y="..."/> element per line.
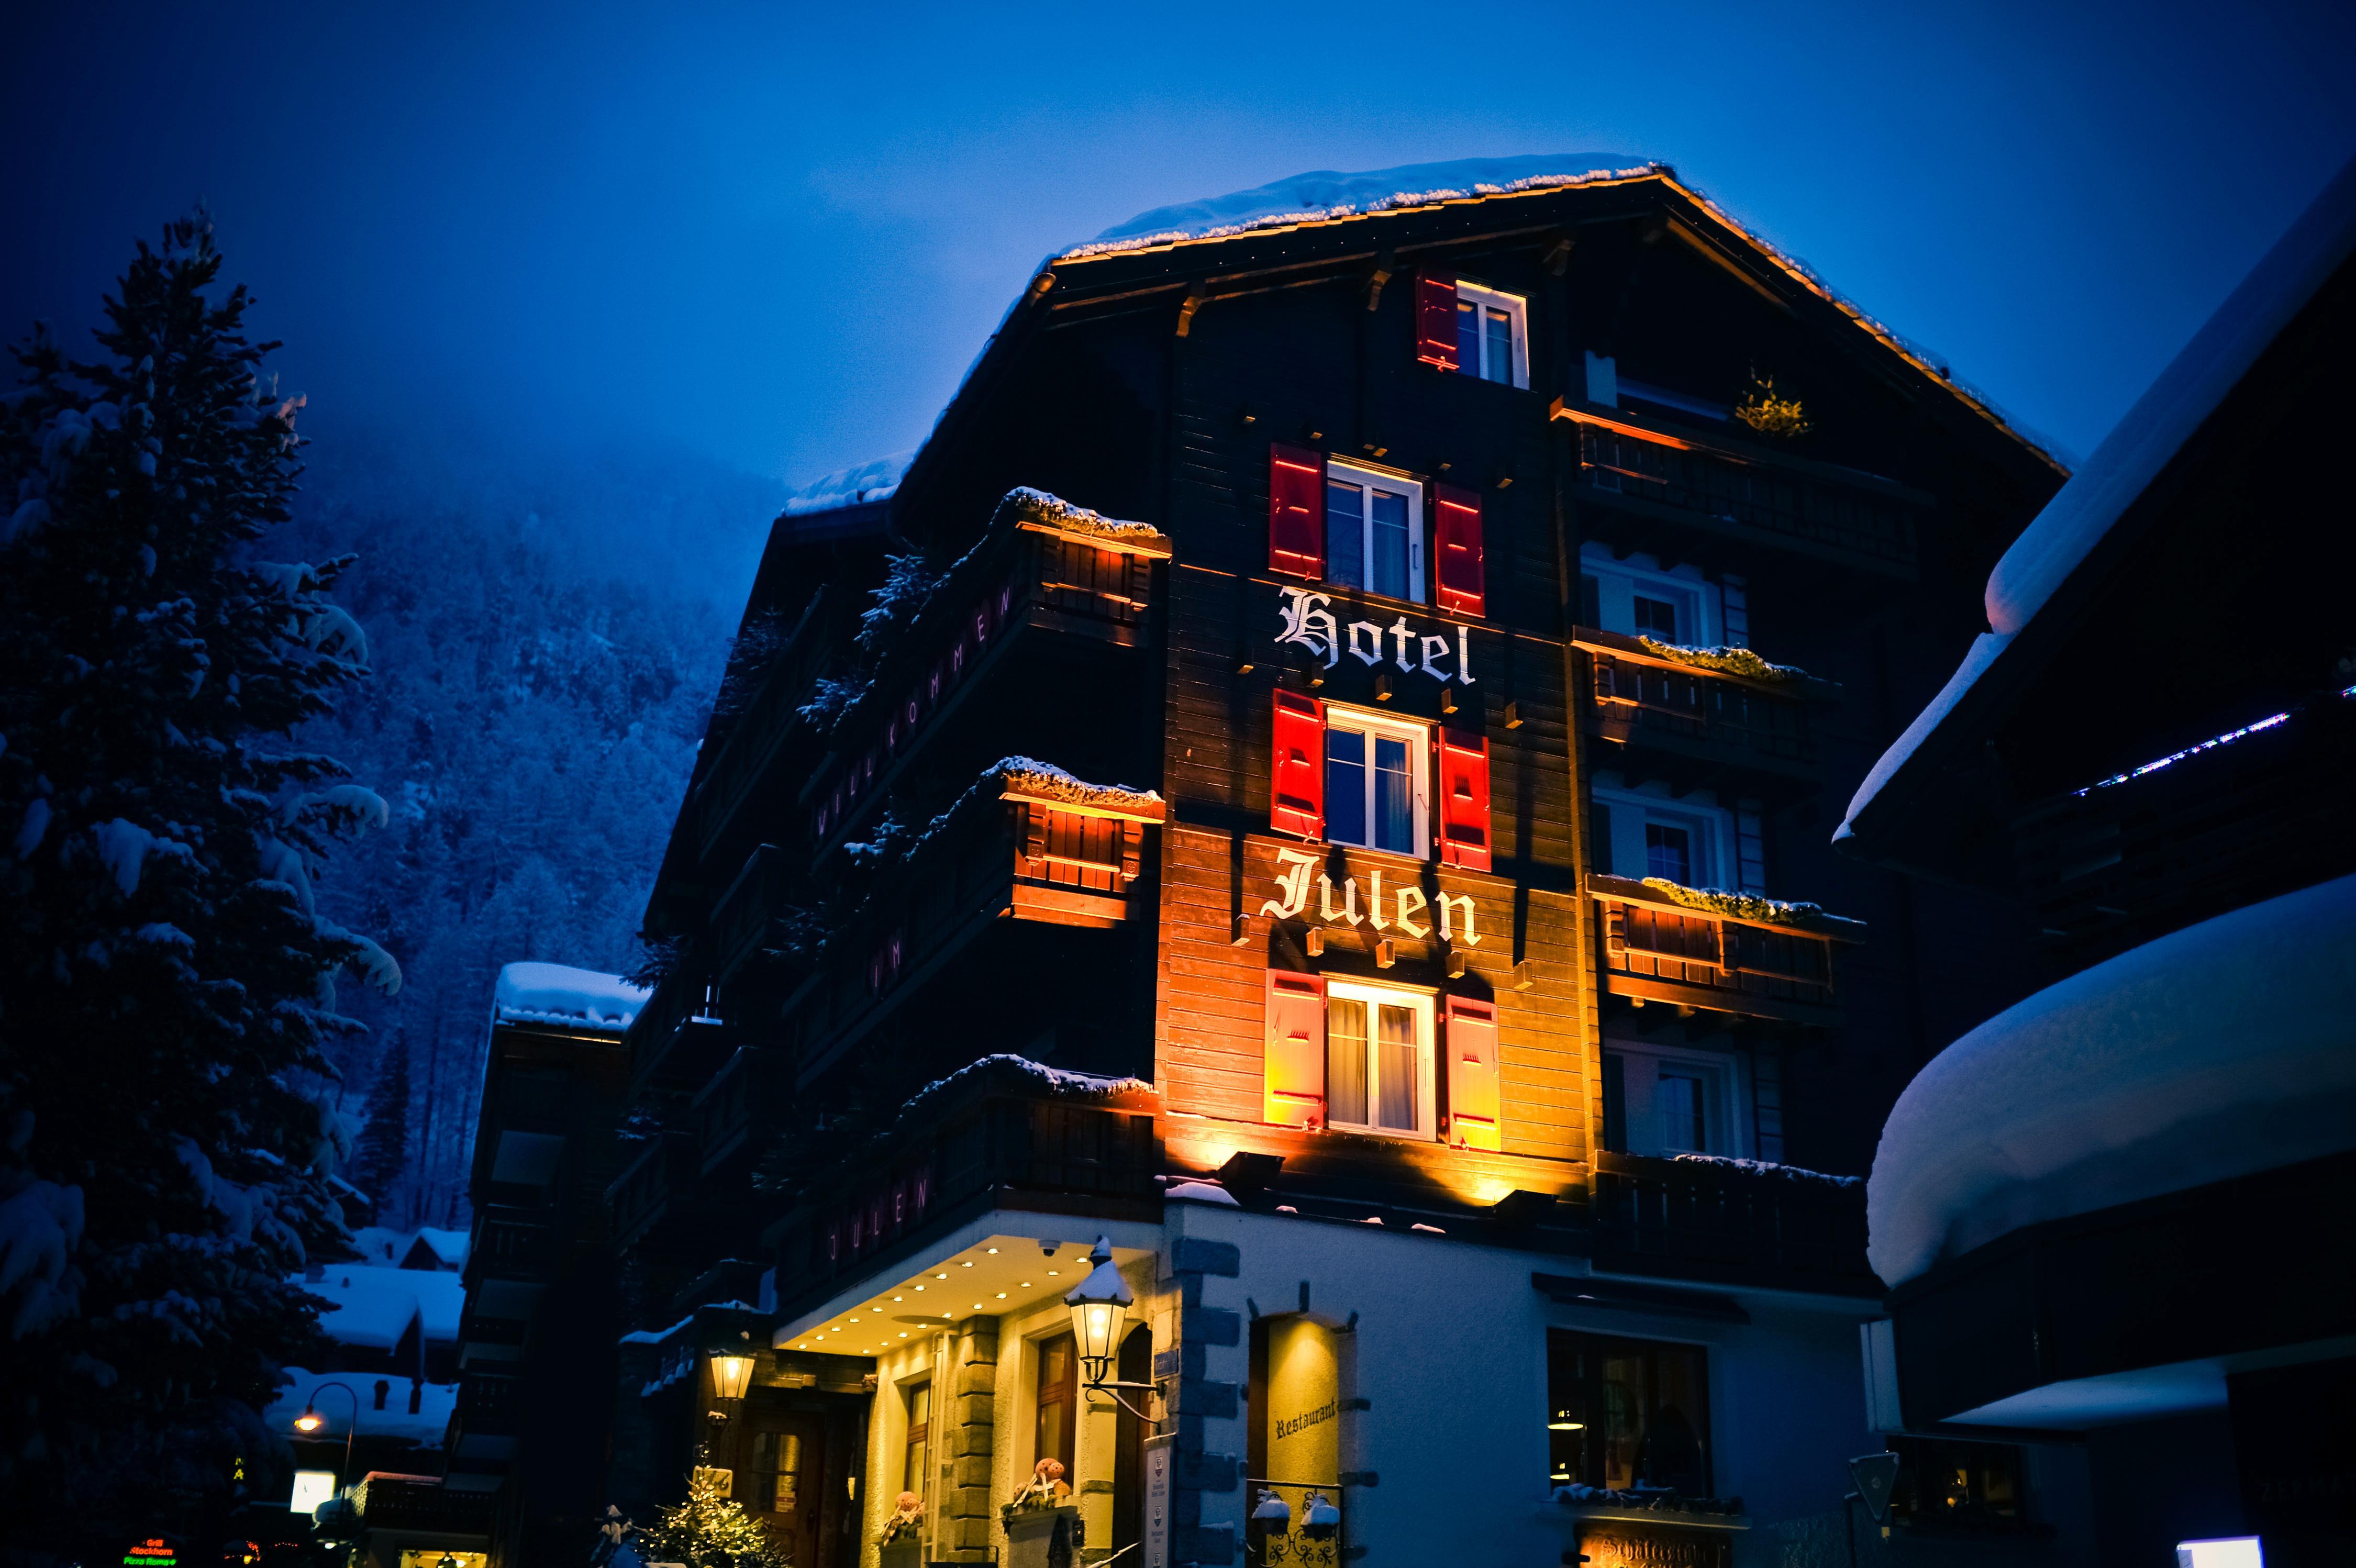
<point x="166" y="983"/>
<point x="384" y="1137"/>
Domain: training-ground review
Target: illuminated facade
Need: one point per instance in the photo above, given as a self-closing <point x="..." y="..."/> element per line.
<point x="1347" y="854"/>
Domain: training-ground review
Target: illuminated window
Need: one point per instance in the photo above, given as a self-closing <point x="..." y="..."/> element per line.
<point x="1374" y="772"/>
<point x="914" y="1466"/>
<point x="1378" y="1066"/>
<point x="1944" y="1485"/>
<point x="1058" y="1392"/>
<point x="1374" y="532"/>
<point x="1624" y="1412"/>
<point x="1492" y="334"/>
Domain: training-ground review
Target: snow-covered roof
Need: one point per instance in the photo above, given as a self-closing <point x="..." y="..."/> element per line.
<point x="1323" y="194"/>
<point x="385" y="1244"/>
<point x="2065" y="537"/>
<point x="557" y="993"/>
<point x="371" y="1305"/>
<point x="2217" y="1051"/>
<point x="424" y="1429"/>
<point x="869" y="481"/>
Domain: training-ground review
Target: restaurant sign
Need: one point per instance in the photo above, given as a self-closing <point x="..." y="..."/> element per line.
<point x="1617" y="1543"/>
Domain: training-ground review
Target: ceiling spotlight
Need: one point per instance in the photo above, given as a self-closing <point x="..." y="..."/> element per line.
<point x="1001" y="1295"/>
<point x="993" y="1252"/>
<point x="939" y="1276"/>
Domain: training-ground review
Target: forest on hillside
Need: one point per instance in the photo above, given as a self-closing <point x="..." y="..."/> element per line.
<point x="545" y="633"/>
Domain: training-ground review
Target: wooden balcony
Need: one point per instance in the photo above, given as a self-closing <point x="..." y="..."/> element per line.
<point x="1726" y="490"/>
<point x="421" y="1503"/>
<point x="1008" y="851"/>
<point x="1656" y="949"/>
<point x="1698" y="727"/>
<point x="992" y="1133"/>
<point x="1029" y="578"/>
<point x="673" y="1042"/>
<point x="512" y="1243"/>
<point x="1715" y="1221"/>
<point x="745" y="919"/>
<point x="736" y="1111"/>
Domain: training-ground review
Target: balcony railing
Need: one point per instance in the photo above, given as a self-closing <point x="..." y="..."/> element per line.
<point x="995" y="1125"/>
<point x="414" y="1502"/>
<point x="1031" y="573"/>
<point x="1709" y="717"/>
<point x="743" y="921"/>
<point x="742" y="1104"/>
<point x="1658" y="949"/>
<point x="1699" y="1216"/>
<point x="673" y="1039"/>
<point x="1836" y="514"/>
<point x="755" y="735"/>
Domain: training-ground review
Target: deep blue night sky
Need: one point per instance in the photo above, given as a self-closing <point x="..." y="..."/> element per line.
<point x="777" y="234"/>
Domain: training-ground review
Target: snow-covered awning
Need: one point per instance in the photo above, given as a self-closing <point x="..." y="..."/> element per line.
<point x="558" y="994"/>
<point x="2217" y="1051"/>
<point x="2092" y="523"/>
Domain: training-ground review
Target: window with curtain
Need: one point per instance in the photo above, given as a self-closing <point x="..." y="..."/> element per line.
<point x="1374" y="532"/>
<point x="776" y="1471"/>
<point x="1374" y="790"/>
<point x="1492" y="335"/>
<point x="1378" y="1059"/>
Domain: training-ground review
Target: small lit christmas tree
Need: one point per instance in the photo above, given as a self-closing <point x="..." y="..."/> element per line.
<point x="708" y="1531"/>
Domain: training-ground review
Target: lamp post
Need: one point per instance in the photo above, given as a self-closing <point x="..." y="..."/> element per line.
<point x="1099" y="1306"/>
<point x="310" y="1420"/>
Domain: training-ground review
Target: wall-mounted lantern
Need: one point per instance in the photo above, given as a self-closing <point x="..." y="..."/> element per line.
<point x="730" y="1375"/>
<point x="1099" y="1306"/>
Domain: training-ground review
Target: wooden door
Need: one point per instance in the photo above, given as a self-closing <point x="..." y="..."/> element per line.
<point x="785" y="1477"/>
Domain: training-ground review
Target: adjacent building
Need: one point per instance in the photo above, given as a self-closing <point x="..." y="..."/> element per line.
<point x="535" y="1343"/>
<point x="2112" y="1216"/>
<point x="1318" y="776"/>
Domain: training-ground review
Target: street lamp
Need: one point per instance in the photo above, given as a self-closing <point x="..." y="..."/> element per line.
<point x="310" y="1420"/>
<point x="730" y="1375"/>
<point x="1099" y="1306"/>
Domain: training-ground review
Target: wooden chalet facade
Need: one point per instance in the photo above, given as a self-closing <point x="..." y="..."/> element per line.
<point x="1339" y="852"/>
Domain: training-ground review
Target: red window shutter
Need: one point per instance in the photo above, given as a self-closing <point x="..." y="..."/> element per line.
<point x="1296" y="511"/>
<point x="1464" y="799"/>
<point x="1296" y="771"/>
<point x="1295" y="1049"/>
<point x="1458" y="533"/>
<point x="1435" y="319"/>
<point x="1472" y="1073"/>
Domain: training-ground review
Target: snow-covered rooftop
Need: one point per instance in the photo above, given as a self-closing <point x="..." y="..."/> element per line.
<point x="2217" y="1051"/>
<point x="1323" y="194"/>
<point x="558" y="994"/>
<point x="371" y="1305"/>
<point x="391" y="1247"/>
<point x="2065" y="536"/>
<point x="869" y="481"/>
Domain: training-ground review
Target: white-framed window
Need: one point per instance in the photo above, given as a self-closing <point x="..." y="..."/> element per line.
<point x="1663" y="1101"/>
<point x="1493" y="338"/>
<point x="1377" y="770"/>
<point x="1378" y="1059"/>
<point x="1680" y="841"/>
<point x="1374" y="530"/>
<point x="1635" y="598"/>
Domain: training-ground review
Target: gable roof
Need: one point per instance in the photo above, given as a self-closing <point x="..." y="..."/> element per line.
<point x="2094" y="520"/>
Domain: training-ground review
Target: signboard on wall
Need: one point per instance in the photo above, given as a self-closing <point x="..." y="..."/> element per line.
<point x="1154" y="1548"/>
<point x="1304" y="1404"/>
<point x="1617" y="1543"/>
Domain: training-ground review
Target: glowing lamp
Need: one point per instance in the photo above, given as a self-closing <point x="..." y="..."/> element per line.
<point x="1563" y="1423"/>
<point x="309" y="1421"/>
<point x="1099" y="1306"/>
<point x="730" y="1375"/>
